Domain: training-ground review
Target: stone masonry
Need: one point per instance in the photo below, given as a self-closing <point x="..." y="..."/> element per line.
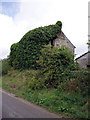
<point x="62" y="40"/>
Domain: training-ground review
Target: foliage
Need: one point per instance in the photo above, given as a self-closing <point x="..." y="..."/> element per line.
<point x="82" y="79"/>
<point x="55" y="64"/>
<point x="5" y="66"/>
<point x="66" y="102"/>
<point x="0" y="68"/>
<point x="77" y="83"/>
<point x="26" y="52"/>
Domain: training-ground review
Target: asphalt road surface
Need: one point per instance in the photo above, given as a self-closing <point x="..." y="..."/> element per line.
<point x="14" y="107"/>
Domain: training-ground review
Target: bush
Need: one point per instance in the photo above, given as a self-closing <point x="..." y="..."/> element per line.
<point x="0" y="68"/>
<point x="35" y="83"/>
<point x="5" y="66"/>
<point x="81" y="79"/>
<point x="26" y="52"/>
<point x="55" y="64"/>
<point x="77" y="82"/>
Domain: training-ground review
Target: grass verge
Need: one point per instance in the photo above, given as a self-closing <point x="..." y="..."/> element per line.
<point x="68" y="104"/>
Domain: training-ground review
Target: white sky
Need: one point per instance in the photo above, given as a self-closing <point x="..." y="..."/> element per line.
<point x="36" y="13"/>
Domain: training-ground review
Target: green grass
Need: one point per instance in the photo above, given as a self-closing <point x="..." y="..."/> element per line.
<point x="69" y="104"/>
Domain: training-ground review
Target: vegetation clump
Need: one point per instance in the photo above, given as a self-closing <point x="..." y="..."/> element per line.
<point x="55" y="67"/>
<point x="26" y="52"/>
<point x="4" y="66"/>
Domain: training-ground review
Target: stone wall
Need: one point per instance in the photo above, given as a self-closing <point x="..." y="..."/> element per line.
<point x="62" y="40"/>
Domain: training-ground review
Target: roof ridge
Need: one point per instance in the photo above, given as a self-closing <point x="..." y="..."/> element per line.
<point x="82" y="55"/>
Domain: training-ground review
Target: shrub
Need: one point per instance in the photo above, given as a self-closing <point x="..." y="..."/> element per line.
<point x="26" y="52"/>
<point x="35" y="83"/>
<point x="77" y="82"/>
<point x="81" y="79"/>
<point x="0" y="68"/>
<point x="5" y="66"/>
<point x="55" y="64"/>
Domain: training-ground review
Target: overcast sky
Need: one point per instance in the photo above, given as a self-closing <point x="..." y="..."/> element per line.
<point x="19" y="16"/>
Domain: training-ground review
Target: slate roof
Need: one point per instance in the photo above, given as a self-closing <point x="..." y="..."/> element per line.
<point x="82" y="55"/>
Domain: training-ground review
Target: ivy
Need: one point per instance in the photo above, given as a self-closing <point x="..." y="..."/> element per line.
<point x="26" y="52"/>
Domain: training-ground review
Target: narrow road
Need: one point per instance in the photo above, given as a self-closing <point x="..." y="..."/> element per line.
<point x="14" y="107"/>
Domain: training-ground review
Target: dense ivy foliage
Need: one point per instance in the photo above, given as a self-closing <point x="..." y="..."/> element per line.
<point x="25" y="53"/>
<point x="56" y="65"/>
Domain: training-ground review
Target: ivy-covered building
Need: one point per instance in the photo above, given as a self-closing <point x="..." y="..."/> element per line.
<point x="27" y="51"/>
